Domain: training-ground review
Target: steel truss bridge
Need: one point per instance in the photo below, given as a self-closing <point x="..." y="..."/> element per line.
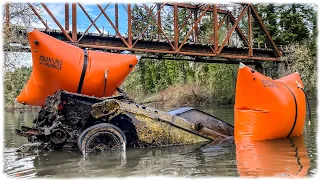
<point x="234" y="28"/>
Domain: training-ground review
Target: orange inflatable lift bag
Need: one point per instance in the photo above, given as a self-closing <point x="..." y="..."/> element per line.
<point x="285" y="157"/>
<point x="59" y="65"/>
<point x="266" y="108"/>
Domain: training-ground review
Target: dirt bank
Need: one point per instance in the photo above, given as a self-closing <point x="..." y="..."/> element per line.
<point x="179" y="96"/>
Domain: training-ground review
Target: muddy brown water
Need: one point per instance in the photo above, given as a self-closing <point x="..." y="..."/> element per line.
<point x="284" y="157"/>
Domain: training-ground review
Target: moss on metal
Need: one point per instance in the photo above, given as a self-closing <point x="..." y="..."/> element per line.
<point x="155" y="127"/>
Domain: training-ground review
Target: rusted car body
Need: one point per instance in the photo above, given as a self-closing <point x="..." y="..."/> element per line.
<point x="117" y="122"/>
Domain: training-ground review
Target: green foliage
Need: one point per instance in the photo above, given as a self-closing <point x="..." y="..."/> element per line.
<point x="303" y="62"/>
<point x="269" y="15"/>
<point x="216" y="80"/>
<point x="293" y="25"/>
<point x="288" y="23"/>
<point x="14" y="83"/>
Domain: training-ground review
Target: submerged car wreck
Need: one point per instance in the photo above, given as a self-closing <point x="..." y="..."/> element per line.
<point x="116" y="122"/>
<point x="81" y="112"/>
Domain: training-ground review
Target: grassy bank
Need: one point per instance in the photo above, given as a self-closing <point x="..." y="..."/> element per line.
<point x="182" y="95"/>
<point x="175" y="83"/>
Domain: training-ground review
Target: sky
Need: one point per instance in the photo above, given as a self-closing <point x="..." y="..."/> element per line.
<point x="83" y="22"/>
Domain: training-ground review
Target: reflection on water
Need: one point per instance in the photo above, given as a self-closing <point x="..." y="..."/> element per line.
<point x="276" y="158"/>
<point x="191" y="160"/>
<point x="282" y="157"/>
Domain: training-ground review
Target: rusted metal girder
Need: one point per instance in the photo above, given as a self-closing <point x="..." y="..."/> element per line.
<point x="74" y="22"/>
<point x="159" y="21"/>
<point x="66" y="16"/>
<point x="96" y="41"/>
<point x="230" y="53"/>
<point x="139" y="28"/>
<point x="204" y="60"/>
<point x="215" y="28"/>
<point x="145" y="29"/>
<point x="248" y="57"/>
<point x="190" y="6"/>
<point x="38" y="16"/>
<point x="129" y="26"/>
<point x="130" y="19"/>
<point x="93" y="22"/>
<point x="194" y="26"/>
<point x="109" y="20"/>
<point x="160" y="28"/>
<point x="228" y="28"/>
<point x="250" y="32"/>
<point x="233" y="28"/>
<point x="185" y="21"/>
<point x="57" y="22"/>
<point x="220" y="24"/>
<point x="257" y="18"/>
<point x="116" y="15"/>
<point x="222" y="21"/>
<point x="176" y="31"/>
<point x="238" y="30"/>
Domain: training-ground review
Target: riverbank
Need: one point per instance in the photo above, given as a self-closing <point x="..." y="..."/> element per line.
<point x="191" y="95"/>
<point x="179" y="95"/>
<point x="183" y="95"/>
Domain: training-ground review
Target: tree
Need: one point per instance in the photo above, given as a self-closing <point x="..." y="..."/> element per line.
<point x="288" y="23"/>
<point x="294" y="29"/>
<point x="304" y="62"/>
<point x="21" y="17"/>
<point x="14" y="82"/>
<point x="270" y="15"/>
<point x="15" y="76"/>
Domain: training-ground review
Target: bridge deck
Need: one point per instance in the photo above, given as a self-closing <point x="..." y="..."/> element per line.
<point x="155" y="46"/>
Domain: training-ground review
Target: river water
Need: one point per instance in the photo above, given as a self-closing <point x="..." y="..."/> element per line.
<point x="295" y="157"/>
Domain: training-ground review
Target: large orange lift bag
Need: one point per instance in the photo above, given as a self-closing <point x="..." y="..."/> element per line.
<point x="59" y="65"/>
<point x="266" y="108"/>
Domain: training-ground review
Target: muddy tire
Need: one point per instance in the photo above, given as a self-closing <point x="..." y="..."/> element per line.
<point x="102" y="137"/>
